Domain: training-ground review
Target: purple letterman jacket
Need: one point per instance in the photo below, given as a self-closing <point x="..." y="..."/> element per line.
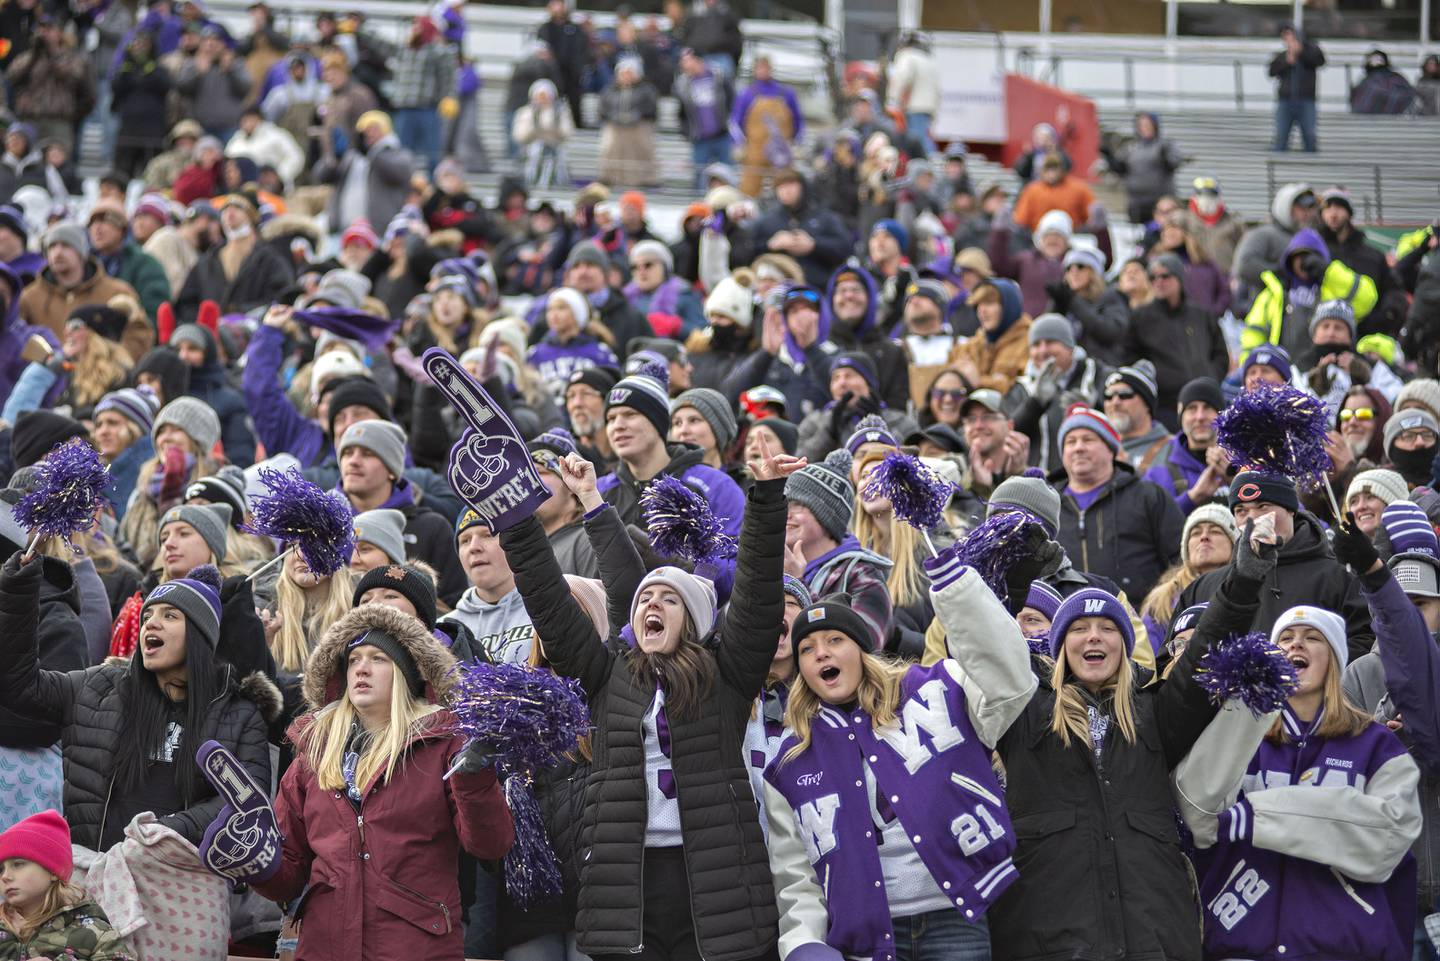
<point x="1304" y="850"/>
<point x="932" y="765"/>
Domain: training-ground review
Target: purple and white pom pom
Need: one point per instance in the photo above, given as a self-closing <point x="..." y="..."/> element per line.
<point x="532" y="874"/>
<point x="528" y="718"/>
<point x="1280" y="430"/>
<point x="993" y="547"/>
<point x="681" y="523"/>
<point x="71" y="485"/>
<point x="917" y="493"/>
<point x="1249" y="669"/>
<point x="318" y="523"/>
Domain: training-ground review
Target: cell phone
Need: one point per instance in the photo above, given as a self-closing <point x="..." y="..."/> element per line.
<point x="37" y="350"/>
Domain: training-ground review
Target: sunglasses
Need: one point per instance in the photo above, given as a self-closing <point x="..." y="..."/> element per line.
<point x="1358" y="413"/>
<point x="1120" y="395"/>
<point x="1162" y="275"/>
<point x="939" y="394"/>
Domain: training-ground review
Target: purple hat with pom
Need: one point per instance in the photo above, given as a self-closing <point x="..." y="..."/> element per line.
<point x="871" y="429"/>
<point x="197" y="596"/>
<point x="1090" y="602"/>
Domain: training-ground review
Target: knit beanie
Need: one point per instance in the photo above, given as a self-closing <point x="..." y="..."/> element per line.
<point x="331" y="368"/>
<point x="1044" y="598"/>
<point x="1030" y="494"/>
<point x="69" y="233"/>
<point x="384" y="439"/>
<point x="195" y="417"/>
<point x="192" y="334"/>
<point x="197" y="596"/>
<point x="38" y="432"/>
<point x="711" y="405"/>
<point x="1386" y="485"/>
<point x="785" y="432"/>
<point x="1422" y="390"/>
<point x="42" y="839"/>
<point x="656" y="250"/>
<point x="1410" y="531"/>
<point x="795" y="587"/>
<point x="1185" y="620"/>
<point x="588" y="252"/>
<point x="1055" y="222"/>
<point x="1330" y="625"/>
<point x="468" y="518"/>
<point x="1271" y="356"/>
<point x="410" y="582"/>
<point x="358" y="392"/>
<point x="646" y="391"/>
<point x="385" y="528"/>
<point x="341" y="288"/>
<point x="1334" y="310"/>
<point x="132" y="403"/>
<point x="872" y="429"/>
<point x="861" y="363"/>
<point x="396" y="651"/>
<point x="1250" y="486"/>
<point x="834" y="612"/>
<point x="730" y="298"/>
<point x="1204" y="389"/>
<point x="1409" y="420"/>
<point x="1086" y="257"/>
<point x="579" y="306"/>
<point x="1090" y="602"/>
<point x="894" y="229"/>
<point x="1141" y="377"/>
<point x="210" y="521"/>
<point x="825" y="490"/>
<point x="1054" y="327"/>
<point x="1209" y="514"/>
<point x="696" y="593"/>
<point x="225" y="486"/>
<point x="557" y="441"/>
<point x="1078" y="415"/>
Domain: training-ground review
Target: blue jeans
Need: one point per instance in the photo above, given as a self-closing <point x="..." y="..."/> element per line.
<point x="418" y="129"/>
<point x="703" y="153"/>
<point x="918" y="126"/>
<point x="547" y="947"/>
<point x="1292" y="113"/>
<point x="721" y="64"/>
<point x="481" y="919"/>
<point x="944" y="935"/>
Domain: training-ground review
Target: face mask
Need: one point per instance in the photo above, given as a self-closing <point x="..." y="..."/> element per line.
<point x="1207" y="204"/>
<point x="1413" y="465"/>
<point x="729" y="336"/>
<point x="240" y="232"/>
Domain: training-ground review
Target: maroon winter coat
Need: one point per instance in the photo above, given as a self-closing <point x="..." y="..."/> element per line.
<point x="385" y="885"/>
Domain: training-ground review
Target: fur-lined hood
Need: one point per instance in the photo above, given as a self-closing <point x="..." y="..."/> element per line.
<point x="290" y="225"/>
<point x="324" y="679"/>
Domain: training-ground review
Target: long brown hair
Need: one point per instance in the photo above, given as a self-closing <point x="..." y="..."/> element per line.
<point x="59" y="896"/>
<point x="1341" y="718"/>
<point x="687" y="673"/>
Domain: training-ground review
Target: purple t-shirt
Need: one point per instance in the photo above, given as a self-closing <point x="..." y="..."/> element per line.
<point x="1087" y="498"/>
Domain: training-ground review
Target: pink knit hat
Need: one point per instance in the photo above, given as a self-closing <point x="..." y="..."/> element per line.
<point x="43" y="838"/>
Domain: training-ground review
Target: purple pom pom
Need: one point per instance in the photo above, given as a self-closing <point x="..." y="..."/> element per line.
<point x="70" y="485"/>
<point x="207" y="574"/>
<point x="532" y="875"/>
<point x="297" y="512"/>
<point x="529" y="718"/>
<point x="1039" y="643"/>
<point x="1033" y="472"/>
<point x="656" y="371"/>
<point x="681" y="523"/>
<point x="994" y="546"/>
<point x="1250" y="669"/>
<point x="1280" y="430"/>
<point x="917" y="494"/>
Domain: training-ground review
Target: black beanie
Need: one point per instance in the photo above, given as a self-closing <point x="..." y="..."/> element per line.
<point x="37" y="432"/>
<point x="1251" y="486"/>
<point x="357" y="392"/>
<point x="1206" y="389"/>
<point x="788" y="433"/>
<point x="833" y="612"/>
<point x="396" y="651"/>
<point x="414" y="584"/>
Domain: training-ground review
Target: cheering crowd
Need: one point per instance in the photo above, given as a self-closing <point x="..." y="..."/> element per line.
<point x="965" y="686"/>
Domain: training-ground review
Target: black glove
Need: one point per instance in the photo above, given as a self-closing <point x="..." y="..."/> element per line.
<point x="1042" y="557"/>
<point x="861" y="406"/>
<point x="1353" y="547"/>
<point x="477" y="756"/>
<point x="1252" y="566"/>
<point x="1061" y="294"/>
<point x="840" y="416"/>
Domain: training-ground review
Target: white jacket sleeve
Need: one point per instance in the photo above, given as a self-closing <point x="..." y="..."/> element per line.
<point x="989" y="657"/>
<point x="1360" y="832"/>
<point x="1207" y="781"/>
<point x="804" y="917"/>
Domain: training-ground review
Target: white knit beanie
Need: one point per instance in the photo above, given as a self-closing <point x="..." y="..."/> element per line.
<point x="732" y="299"/>
<point x="1328" y="623"/>
<point x="1386" y="485"/>
<point x="1217" y="514"/>
<point x="577" y="303"/>
<point x="697" y="594"/>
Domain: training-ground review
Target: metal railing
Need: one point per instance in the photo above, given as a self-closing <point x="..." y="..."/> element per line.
<point x="1370" y="204"/>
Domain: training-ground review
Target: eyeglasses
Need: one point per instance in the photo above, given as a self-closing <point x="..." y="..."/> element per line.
<point x="1417" y="435"/>
<point x="1162" y="276"/>
<point x="1120" y="395"/>
<point x="939" y="394"/>
<point x="974" y="420"/>
<point x="1357" y="413"/>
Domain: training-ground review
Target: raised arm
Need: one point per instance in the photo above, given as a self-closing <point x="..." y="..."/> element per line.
<point x="751" y="631"/>
<point x="621" y="567"/>
<point x="277" y="423"/>
<point x="1207" y="782"/>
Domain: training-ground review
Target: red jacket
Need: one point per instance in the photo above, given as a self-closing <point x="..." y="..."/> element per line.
<point x="385" y="886"/>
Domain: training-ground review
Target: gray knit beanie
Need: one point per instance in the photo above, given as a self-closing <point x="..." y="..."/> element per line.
<point x="1031" y="494"/>
<point x="711" y="405"/>
<point x="194" y="417"/>
<point x="825" y="489"/>
<point x="385" y="529"/>
<point x="1422" y="390"/>
<point x="210" y="521"/>
<point x="384" y="439"/>
<point x="69" y="233"/>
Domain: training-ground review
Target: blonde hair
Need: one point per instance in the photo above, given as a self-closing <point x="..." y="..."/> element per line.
<point x="1159" y="604"/>
<point x="1072" y="715"/>
<point x="906" y="581"/>
<point x="301" y="621"/>
<point x="244" y="552"/>
<point x="59" y="896"/>
<point x="878" y="696"/>
<point x="104" y="366"/>
<point x="323" y="743"/>
<point x="1341" y="718"/>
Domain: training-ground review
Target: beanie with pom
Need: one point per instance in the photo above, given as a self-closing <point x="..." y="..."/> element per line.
<point x="196" y="595"/>
<point x="825" y="490"/>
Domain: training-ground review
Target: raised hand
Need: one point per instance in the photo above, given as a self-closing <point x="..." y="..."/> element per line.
<point x="771" y="466"/>
<point x="578" y="476"/>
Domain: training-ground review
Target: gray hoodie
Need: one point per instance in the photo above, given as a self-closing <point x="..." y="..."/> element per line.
<point x="502" y="629"/>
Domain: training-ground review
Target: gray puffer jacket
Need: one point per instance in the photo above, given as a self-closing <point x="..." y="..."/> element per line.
<point x="88" y="706"/>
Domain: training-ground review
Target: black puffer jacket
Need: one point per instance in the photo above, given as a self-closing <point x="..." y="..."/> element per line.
<point x="1306" y="573"/>
<point x="88" y="705"/>
<point x="1130" y="533"/>
<point x="732" y="900"/>
<point x="60" y="640"/>
<point x="1101" y="872"/>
